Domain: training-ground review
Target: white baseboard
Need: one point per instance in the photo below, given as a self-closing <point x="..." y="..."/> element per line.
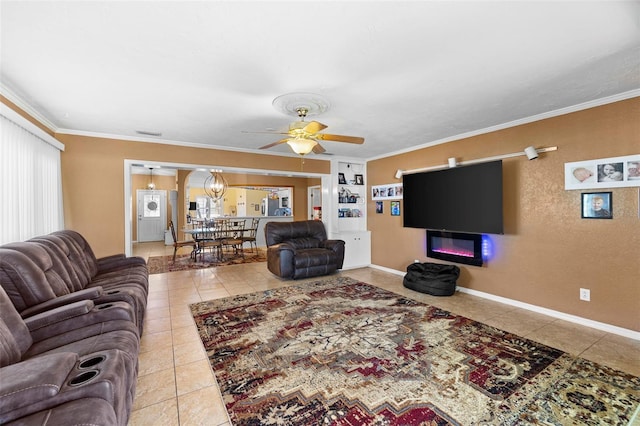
<point x="549" y="312"/>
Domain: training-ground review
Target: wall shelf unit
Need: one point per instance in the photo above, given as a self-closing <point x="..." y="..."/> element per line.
<point x="350" y="209"/>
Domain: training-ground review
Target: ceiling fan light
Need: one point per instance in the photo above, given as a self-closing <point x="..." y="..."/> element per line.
<point x="302" y="146"/>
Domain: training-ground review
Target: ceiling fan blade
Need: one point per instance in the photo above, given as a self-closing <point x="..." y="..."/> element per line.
<point x="318" y="149"/>
<point x="339" y="138"/>
<point x="274" y="144"/>
<point x="314" y="127"/>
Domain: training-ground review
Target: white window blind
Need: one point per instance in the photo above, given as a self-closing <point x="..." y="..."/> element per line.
<point x="30" y="184"/>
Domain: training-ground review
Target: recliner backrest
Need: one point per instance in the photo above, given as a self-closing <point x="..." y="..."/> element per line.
<point x="15" y="337"/>
<point x="83" y="245"/>
<point x="78" y="256"/>
<point x="24" y="279"/>
<point x="59" y="252"/>
<point x="278" y="232"/>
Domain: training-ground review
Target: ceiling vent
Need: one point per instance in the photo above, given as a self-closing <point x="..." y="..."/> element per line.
<point x="146" y="133"/>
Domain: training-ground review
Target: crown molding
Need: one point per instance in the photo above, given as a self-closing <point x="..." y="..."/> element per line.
<point x="15" y="99"/>
<point x="176" y="143"/>
<point x="538" y="117"/>
<point x="13" y="116"/>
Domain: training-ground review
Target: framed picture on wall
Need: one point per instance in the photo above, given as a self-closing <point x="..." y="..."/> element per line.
<point x="395" y="208"/>
<point x="597" y="205"/>
<point x="379" y="207"/>
<point x="359" y="179"/>
<point x="341" y="179"/>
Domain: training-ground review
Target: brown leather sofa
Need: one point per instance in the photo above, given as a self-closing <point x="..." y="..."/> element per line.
<point x="301" y="249"/>
<point x="70" y="327"/>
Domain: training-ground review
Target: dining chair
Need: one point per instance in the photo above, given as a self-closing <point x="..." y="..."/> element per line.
<point x="211" y="239"/>
<point x="250" y="233"/>
<point x="183" y="243"/>
<point x="232" y="230"/>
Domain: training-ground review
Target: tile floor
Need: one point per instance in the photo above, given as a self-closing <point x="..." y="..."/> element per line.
<point x="175" y="383"/>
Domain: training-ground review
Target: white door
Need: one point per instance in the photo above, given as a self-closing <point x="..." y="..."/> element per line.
<point x="152" y="215"/>
<point x="314" y="193"/>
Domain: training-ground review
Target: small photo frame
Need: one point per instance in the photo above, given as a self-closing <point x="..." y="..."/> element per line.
<point x="341" y="179"/>
<point x="359" y="179"/>
<point x="597" y="205"/>
<point x="395" y="208"/>
<point x="379" y="207"/>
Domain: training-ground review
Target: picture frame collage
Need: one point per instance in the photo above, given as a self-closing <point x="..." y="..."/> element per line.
<point x="601" y="173"/>
<point x="612" y="172"/>
<point x="393" y="192"/>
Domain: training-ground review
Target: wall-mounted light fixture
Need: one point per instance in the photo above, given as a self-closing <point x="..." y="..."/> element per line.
<point x="530" y="152"/>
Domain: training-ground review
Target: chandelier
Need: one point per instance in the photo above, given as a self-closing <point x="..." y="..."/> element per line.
<point x="215" y="185"/>
<point x="151" y="185"/>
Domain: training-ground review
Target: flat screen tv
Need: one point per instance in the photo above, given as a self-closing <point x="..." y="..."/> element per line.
<point x="459" y="199"/>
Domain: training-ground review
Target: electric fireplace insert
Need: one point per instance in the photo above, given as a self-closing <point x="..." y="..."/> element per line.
<point x="456" y="247"/>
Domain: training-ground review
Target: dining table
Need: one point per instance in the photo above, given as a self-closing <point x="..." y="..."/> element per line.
<point x="222" y="231"/>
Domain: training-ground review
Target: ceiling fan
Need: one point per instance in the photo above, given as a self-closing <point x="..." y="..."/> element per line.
<point x="303" y="136"/>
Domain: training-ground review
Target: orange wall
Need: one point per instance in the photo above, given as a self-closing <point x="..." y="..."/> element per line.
<point x="93" y="180"/>
<point x="547" y="252"/>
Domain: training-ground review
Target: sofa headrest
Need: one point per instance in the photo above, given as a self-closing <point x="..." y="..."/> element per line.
<point x="59" y="252"/>
<point x="23" y="280"/>
<point x="278" y="232"/>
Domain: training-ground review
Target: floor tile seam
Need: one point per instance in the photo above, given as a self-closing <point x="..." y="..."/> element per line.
<point x="154" y="404"/>
<point x="200" y="388"/>
<point x="175" y="390"/>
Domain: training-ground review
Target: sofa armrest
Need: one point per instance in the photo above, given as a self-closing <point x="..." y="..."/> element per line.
<point x="337" y="246"/>
<point x="34" y="380"/>
<point x="333" y="244"/>
<point x="59" y="314"/>
<point x="111" y="258"/>
<point x="280" y="259"/>
<point x="118" y="261"/>
<point x="283" y="246"/>
<point x="89" y="293"/>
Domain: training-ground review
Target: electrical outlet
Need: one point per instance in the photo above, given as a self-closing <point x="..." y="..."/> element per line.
<point x="585" y="294"/>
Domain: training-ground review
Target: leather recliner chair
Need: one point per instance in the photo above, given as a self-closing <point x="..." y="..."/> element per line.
<point x="301" y="249"/>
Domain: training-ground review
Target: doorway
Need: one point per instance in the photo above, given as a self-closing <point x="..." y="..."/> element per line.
<point x="152" y="215"/>
<point x="314" y="202"/>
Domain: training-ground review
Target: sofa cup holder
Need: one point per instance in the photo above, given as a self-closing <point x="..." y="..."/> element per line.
<point x="91" y="362"/>
<point x="105" y="306"/>
<point x="83" y="377"/>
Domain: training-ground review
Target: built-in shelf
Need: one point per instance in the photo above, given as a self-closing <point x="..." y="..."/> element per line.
<point x="351" y="211"/>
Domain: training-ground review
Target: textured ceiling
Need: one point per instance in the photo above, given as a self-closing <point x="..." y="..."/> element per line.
<point x="399" y="74"/>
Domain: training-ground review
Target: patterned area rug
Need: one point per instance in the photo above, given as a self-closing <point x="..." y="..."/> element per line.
<point x="342" y="352"/>
<point x="161" y="264"/>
